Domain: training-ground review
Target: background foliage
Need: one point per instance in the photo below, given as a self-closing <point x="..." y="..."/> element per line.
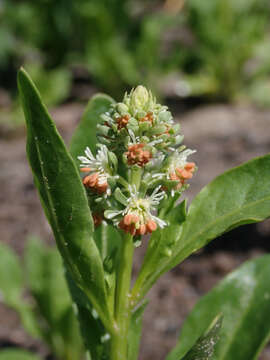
<point x="214" y="49"/>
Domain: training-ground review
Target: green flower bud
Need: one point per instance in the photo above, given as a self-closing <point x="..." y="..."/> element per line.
<point x="139" y="98"/>
<point x="122" y="108"/>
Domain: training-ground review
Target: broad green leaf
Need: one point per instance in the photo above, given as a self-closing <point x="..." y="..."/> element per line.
<point x="239" y="196"/>
<point x="135" y="330"/>
<point x="17" y="354"/>
<point x="243" y="298"/>
<point x="85" y="134"/>
<point x="12" y="286"/>
<point x="205" y="345"/>
<point x="63" y="198"/>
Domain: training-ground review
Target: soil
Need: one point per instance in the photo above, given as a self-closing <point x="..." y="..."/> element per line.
<point x="224" y="136"/>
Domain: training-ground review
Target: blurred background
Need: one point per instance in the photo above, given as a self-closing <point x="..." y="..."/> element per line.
<point x="209" y="60"/>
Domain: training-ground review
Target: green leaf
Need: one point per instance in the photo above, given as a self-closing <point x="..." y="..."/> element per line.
<point x="135" y="329"/>
<point x="205" y="345"/>
<point x="63" y="198"/>
<point x="85" y="134"/>
<point x="45" y="275"/>
<point x="11" y="276"/>
<point x="239" y="196"/>
<point x="243" y="298"/>
<point x="91" y="327"/>
<point x="12" y="286"/>
<point x="17" y="354"/>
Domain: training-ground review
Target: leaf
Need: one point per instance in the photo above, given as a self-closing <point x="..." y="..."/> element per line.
<point x="243" y="298"/>
<point x="135" y="330"/>
<point x="205" y="345"/>
<point x="85" y="134"/>
<point x="11" y="276"/>
<point x="239" y="196"/>
<point x="45" y="275"/>
<point x="17" y="354"/>
<point x="91" y="327"/>
<point x="68" y="327"/>
<point x="12" y="287"/>
<point x="63" y="198"/>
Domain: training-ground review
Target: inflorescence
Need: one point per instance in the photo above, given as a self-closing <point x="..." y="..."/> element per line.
<point x="139" y="164"/>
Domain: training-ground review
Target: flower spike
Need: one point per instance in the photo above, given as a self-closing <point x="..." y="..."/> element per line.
<point x="139" y="161"/>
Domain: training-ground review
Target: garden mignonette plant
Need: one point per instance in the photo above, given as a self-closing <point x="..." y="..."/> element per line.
<point x="121" y="179"/>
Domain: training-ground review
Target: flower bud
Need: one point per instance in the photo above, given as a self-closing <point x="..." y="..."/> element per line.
<point x="139" y="98"/>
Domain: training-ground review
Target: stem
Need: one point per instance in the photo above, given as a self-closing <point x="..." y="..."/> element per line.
<point x="119" y="339"/>
<point x="136" y="174"/>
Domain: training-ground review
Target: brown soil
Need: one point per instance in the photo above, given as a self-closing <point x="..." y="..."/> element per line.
<point x="224" y="137"/>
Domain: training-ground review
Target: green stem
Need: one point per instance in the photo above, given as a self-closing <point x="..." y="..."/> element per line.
<point x="119" y="340"/>
<point x="136" y="175"/>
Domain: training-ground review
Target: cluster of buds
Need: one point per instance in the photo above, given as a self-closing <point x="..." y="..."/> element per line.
<point x="95" y="181"/>
<point x="137" y="135"/>
<point x="122" y="121"/>
<point x="137" y="155"/>
<point x="131" y="224"/>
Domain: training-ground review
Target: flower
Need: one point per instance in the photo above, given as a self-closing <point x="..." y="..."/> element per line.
<point x="179" y="169"/>
<point x="136" y="132"/>
<point x="97" y="169"/>
<point x="137" y="217"/>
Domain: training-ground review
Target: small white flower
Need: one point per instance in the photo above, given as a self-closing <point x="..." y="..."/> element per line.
<point x="96" y="165"/>
<point x="179" y="160"/>
<point x="137" y="217"/>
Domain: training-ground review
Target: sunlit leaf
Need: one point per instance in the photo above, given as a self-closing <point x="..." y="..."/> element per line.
<point x="237" y="197"/>
<point x="63" y="197"/>
<point x="243" y="298"/>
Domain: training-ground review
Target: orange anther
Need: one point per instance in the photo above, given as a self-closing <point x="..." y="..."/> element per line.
<point x="190" y="166"/>
<point x="135" y="155"/>
<point x="92" y="180"/>
<point x="186" y="174"/>
<point x="179" y="172"/>
<point x="122" y="121"/>
<point x="127" y="219"/>
<point x="142" y="229"/>
<point x="151" y="226"/>
<point x="85" y="169"/>
<point x="86" y="179"/>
